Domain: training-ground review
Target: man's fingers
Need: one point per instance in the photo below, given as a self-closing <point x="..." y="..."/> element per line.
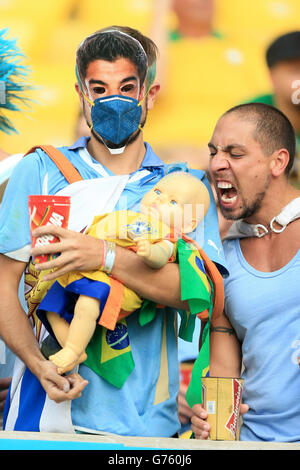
<point x="77" y="252"/>
<point x="3" y="395"/>
<point x="184" y="411"/>
<point x="56" y="386"/>
<point x="199" y="411"/>
<point x="243" y="408"/>
<point x="5" y="383"/>
<point x="200" y="427"/>
<point x="77" y="385"/>
<point x="57" y="393"/>
<point x="61" y="388"/>
<point x="50" y="248"/>
<point x="66" y="268"/>
<point x="62" y="260"/>
<point x="50" y="229"/>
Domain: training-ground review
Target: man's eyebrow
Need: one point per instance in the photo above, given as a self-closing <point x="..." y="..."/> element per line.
<point x="129" y="79"/>
<point x="93" y="81"/>
<point x="228" y="148"/>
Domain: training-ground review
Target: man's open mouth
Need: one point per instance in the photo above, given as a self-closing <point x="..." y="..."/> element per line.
<point x="227" y="192"/>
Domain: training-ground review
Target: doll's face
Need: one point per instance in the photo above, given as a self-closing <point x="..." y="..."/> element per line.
<point x="173" y="200"/>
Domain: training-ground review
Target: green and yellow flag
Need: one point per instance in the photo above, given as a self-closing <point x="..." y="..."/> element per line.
<point x="193" y="279"/>
<point x="194" y="287"/>
<point x="109" y="354"/>
<point x="200" y="367"/>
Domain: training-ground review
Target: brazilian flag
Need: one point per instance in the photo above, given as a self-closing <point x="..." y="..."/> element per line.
<point x="187" y="325"/>
<point x="200" y="368"/>
<point x="109" y="354"/>
<point x="194" y="283"/>
<point x="194" y="287"/>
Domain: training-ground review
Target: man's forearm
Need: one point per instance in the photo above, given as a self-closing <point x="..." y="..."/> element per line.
<point x="159" y="285"/>
<point x="17" y="333"/>
<point x="225" y="349"/>
<point x="84" y="253"/>
<point x="15" y="327"/>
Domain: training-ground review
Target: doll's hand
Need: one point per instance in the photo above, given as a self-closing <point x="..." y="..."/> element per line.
<point x="143" y="248"/>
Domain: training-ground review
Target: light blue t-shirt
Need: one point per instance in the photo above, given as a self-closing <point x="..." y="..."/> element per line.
<point x="146" y="404"/>
<point x="264" y="310"/>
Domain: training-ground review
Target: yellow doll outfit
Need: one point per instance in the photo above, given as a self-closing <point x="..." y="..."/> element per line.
<point x="116" y="300"/>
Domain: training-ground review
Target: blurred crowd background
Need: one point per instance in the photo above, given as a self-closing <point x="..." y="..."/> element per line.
<point x="212" y="57"/>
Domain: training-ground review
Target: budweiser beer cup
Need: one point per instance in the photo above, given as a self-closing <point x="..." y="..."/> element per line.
<point x="47" y="210"/>
<point x="221" y="399"/>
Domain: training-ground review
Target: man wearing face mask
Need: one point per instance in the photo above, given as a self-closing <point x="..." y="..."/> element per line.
<point x="115" y="115"/>
<point x="115" y="69"/>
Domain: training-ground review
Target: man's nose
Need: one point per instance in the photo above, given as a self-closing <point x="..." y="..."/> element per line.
<point x="219" y="162"/>
<point x="111" y="91"/>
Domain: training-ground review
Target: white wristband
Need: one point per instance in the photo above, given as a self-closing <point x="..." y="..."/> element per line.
<point x="110" y="257"/>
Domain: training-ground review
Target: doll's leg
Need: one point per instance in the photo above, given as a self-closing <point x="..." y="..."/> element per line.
<point x="80" y="331"/>
<point x="60" y="328"/>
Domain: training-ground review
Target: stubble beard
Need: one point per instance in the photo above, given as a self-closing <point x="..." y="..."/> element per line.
<point x="247" y="209"/>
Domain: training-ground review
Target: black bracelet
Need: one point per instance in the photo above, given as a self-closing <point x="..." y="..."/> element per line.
<point x="222" y="329"/>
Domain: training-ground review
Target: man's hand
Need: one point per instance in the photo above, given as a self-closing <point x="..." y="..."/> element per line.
<point x="184" y="411"/>
<point x="200" y="426"/>
<point x="78" y="252"/>
<point x="60" y="388"/>
<point x="4" y="385"/>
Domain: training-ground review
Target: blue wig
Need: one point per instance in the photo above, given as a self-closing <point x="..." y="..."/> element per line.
<point x="12" y="80"/>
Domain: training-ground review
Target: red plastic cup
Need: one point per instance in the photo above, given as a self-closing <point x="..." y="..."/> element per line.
<point x="47" y="210"/>
<point x="186" y="372"/>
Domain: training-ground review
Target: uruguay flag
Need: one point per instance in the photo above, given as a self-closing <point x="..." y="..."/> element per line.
<point x="28" y="408"/>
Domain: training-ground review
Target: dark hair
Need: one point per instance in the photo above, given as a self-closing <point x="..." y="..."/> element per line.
<point x="285" y="47"/>
<point x="273" y="129"/>
<point x="114" y="42"/>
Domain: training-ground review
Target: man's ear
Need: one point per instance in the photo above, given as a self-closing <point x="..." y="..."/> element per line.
<point x="279" y="162"/>
<point x="79" y="92"/>
<point x="154" y="89"/>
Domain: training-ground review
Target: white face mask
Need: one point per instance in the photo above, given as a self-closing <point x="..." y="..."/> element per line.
<point x="241" y="229"/>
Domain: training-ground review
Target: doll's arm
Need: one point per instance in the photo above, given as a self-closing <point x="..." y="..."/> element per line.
<point x="155" y="255"/>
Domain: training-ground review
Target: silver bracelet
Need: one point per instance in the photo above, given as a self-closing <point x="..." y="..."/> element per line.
<point x="110" y="257"/>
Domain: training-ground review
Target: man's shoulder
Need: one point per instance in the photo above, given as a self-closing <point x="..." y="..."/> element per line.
<point x="36" y="169"/>
<point x="42" y="151"/>
<point x="52" y="159"/>
<point x="229" y="248"/>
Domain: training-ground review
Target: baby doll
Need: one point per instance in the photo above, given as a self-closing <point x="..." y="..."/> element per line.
<point x="175" y="206"/>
